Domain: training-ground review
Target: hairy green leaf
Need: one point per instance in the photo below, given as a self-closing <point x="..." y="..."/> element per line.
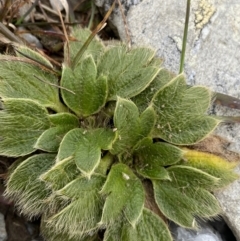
<point x="27" y="52"/>
<point x="147" y="122"/>
<point x="22" y="78"/>
<point x="143" y="99"/>
<point x="104" y="138"/>
<point x="125" y="195"/>
<point x="185" y="196"/>
<point x="126" y="120"/>
<point x="63" y="119"/>
<point x="22" y="121"/>
<point x="85" y="147"/>
<point x="60" y="174"/>
<point x="89" y="92"/>
<point x="152" y="157"/>
<point x="186" y="176"/>
<point x="25" y="187"/>
<point x="87" y="155"/>
<point x="50" y="234"/>
<point x="150" y="227"/>
<point x="84" y="212"/>
<point x="181" y="113"/>
<point x="130" y="126"/>
<point x="50" y="139"/>
<point x="128" y="71"/>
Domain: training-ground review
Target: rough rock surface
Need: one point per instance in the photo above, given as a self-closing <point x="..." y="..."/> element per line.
<point x="204" y="234"/>
<point x="3" y="233"/>
<point x="212" y="57"/>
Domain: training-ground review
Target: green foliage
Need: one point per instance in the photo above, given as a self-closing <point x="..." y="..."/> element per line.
<point x="90" y="91"/>
<point x="88" y="145"/>
<point x="24" y="78"/>
<point x="22" y="122"/>
<point x="182" y="120"/>
<point x="128" y="72"/>
<point x="186" y="195"/>
<point x="126" y="195"/>
<point x="26" y="189"/>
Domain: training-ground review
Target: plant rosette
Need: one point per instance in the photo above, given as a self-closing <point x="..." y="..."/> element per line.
<point x="102" y="145"/>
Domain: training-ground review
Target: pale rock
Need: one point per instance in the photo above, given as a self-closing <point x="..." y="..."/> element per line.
<point x="3" y="233"/>
<point x="203" y="234"/>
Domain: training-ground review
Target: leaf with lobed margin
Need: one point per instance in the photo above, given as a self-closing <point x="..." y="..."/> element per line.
<point x="60" y="174"/>
<point x="143" y="99"/>
<point x="181" y="113"/>
<point x="85" y="147"/>
<point x="152" y="157"/>
<point x="90" y="91"/>
<point x="125" y="195"/>
<point x="130" y="126"/>
<point x="128" y="71"/>
<point x="150" y="227"/>
<point x="61" y="124"/>
<point x="186" y="195"/>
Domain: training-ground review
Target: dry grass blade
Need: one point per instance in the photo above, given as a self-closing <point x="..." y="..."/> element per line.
<point x="7" y="33"/>
<point x="60" y="5"/>
<point x="99" y="27"/>
<point x="227" y="100"/>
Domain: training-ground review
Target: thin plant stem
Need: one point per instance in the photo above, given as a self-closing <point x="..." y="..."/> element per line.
<point x="99" y="27"/>
<point x="92" y="14"/>
<point x="8" y="34"/>
<point x="185" y="37"/>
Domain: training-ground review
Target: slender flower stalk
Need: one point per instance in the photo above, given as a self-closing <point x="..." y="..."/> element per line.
<point x="184" y="43"/>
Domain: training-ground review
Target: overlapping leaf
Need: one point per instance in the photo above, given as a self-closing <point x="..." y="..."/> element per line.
<point x="50" y="234"/>
<point x="70" y="192"/>
<point x="85" y="147"/>
<point x="125" y="195"/>
<point x="143" y="99"/>
<point x="214" y="165"/>
<point x="181" y="113"/>
<point x="149" y="228"/>
<point x="84" y="212"/>
<point x="78" y="38"/>
<point x="186" y="195"/>
<point x="25" y="187"/>
<point x="22" y="121"/>
<point x="61" y="123"/>
<point x="128" y="71"/>
<point x="130" y="126"/>
<point x="60" y="174"/>
<point x="89" y="92"/>
<point x="23" y="51"/>
<point x="24" y="78"/>
<point x="151" y="158"/>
